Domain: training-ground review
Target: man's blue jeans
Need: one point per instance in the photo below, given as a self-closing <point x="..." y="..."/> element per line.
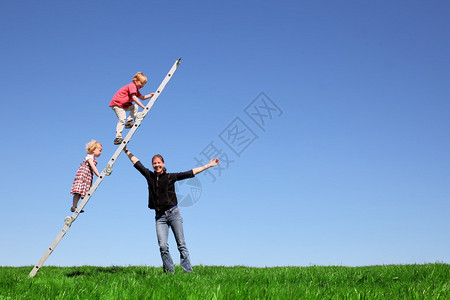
<point x="172" y="219"/>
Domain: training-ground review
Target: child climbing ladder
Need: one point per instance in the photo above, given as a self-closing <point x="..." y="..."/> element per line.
<point x="127" y="99"/>
<point x="107" y="171"/>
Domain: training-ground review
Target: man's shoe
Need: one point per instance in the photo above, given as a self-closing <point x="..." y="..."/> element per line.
<point x="118" y="141"/>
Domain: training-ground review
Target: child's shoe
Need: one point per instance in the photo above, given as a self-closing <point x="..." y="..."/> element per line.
<point x="118" y="141"/>
<point x="129" y="124"/>
<point x="72" y="209"/>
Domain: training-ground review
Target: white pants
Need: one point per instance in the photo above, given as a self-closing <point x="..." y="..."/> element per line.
<point x="122" y="115"/>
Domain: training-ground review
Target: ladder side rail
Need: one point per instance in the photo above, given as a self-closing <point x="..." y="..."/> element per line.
<point x="70" y="220"/>
<point x="161" y="88"/>
<point x="49" y="251"/>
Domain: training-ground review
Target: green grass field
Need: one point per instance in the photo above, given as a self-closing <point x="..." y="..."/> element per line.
<point x="428" y="281"/>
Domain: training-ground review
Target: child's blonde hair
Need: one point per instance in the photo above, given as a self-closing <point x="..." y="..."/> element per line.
<point x="139" y="76"/>
<point x="91" y="146"/>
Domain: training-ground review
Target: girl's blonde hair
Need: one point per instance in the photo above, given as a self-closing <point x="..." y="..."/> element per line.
<point x="139" y="76"/>
<point x="91" y="146"/>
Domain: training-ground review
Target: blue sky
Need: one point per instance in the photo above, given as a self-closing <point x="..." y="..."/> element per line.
<point x="351" y="166"/>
